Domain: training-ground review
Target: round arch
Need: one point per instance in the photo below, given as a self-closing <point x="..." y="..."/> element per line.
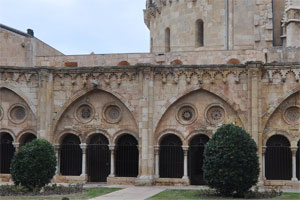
<point x="66" y="132"/>
<point x="23" y="134"/>
<point x="277" y="132"/>
<point x="22" y="95"/>
<point x="197" y="144"/>
<point x="4" y="130"/>
<point x="171" y="156"/>
<point x="26" y="136"/>
<point x="167" y="132"/>
<point x="82" y="93"/>
<point x="196" y="133"/>
<point x="92" y="133"/>
<point x="127" y="156"/>
<point x="211" y="90"/>
<point x="278" y="158"/>
<point x="7" y="151"/>
<point x="120" y="133"/>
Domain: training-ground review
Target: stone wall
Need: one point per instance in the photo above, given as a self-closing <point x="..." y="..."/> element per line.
<point x="148" y="102"/>
<point x="228" y="24"/>
<point x="20" y="49"/>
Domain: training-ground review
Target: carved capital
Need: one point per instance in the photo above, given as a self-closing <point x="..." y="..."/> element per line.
<point x="294" y="150"/>
<point x="185" y="150"/>
<point x="83" y="146"/>
<point x="156" y="149"/>
<point x="112" y="147"/>
<point x="16" y="144"/>
<point x="264" y="148"/>
<point x="56" y="147"/>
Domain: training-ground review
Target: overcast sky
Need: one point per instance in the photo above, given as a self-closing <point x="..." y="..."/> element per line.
<point x="81" y="26"/>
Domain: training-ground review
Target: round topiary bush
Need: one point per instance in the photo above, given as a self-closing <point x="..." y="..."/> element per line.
<point x="230" y="161"/>
<point x="34" y="165"/>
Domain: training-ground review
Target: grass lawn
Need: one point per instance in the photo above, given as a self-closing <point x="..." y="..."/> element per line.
<point x="91" y="193"/>
<point x="193" y="194"/>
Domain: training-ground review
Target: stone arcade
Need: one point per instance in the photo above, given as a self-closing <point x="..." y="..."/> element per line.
<point x="144" y="118"/>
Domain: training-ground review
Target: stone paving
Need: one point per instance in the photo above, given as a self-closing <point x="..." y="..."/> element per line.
<point x="131" y="193"/>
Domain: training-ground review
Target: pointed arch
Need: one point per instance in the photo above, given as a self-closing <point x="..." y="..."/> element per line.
<point x="84" y="92"/>
<point x="211" y="90"/>
<point x="21" y="95"/>
<point x="276" y="105"/>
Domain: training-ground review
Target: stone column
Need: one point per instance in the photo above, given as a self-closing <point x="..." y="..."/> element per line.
<point x="112" y="160"/>
<point x="145" y="125"/>
<point x="16" y="145"/>
<point x="264" y="163"/>
<point x="294" y="167"/>
<point x="45" y="104"/>
<point x="185" y="160"/>
<point x="57" y="152"/>
<point x="83" y="146"/>
<point x="156" y="153"/>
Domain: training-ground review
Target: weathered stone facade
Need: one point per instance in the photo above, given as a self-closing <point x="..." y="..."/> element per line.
<point x="50" y="95"/>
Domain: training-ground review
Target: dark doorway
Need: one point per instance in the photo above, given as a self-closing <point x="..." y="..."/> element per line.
<point x="7" y="151"/>
<point x="171" y="157"/>
<point x="298" y="161"/>
<point x="70" y="156"/>
<point x="98" y="159"/>
<point x="278" y="159"/>
<point x="28" y="137"/>
<point x="195" y="157"/>
<point x="127" y="157"/>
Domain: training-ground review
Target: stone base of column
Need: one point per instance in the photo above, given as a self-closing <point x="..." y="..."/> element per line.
<point x="294" y="179"/>
<point x="185" y="177"/>
<point x="261" y="183"/>
<point x="144" y="181"/>
<point x="111" y="175"/>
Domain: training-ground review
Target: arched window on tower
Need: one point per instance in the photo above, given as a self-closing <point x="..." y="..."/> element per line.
<point x="199" y="33"/>
<point x="167" y="40"/>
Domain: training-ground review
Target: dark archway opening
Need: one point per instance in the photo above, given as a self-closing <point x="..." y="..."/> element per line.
<point x="127" y="157"/>
<point x="7" y="151"/>
<point x="171" y="157"/>
<point x="98" y="158"/>
<point x="28" y="137"/>
<point x="298" y="161"/>
<point x="71" y="156"/>
<point x="195" y="158"/>
<point x="278" y="158"/>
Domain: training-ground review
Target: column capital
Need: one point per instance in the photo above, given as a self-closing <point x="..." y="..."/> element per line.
<point x="16" y="144"/>
<point x="156" y="149"/>
<point x="56" y="146"/>
<point x="111" y="147"/>
<point x="294" y="150"/>
<point x="264" y="148"/>
<point x="83" y="146"/>
<point x="185" y="148"/>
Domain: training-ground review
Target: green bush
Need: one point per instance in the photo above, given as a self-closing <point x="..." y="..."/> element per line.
<point x="34" y="165"/>
<point x="230" y="161"/>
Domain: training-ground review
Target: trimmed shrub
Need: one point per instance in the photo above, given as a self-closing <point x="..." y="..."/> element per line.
<point x="34" y="165"/>
<point x="230" y="161"/>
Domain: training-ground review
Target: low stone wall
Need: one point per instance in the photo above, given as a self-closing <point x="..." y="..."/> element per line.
<point x="186" y="58"/>
<point x="5" y="178"/>
<point x="281" y="184"/>
<point x="121" y="180"/>
<point x="70" y="179"/>
<point x="172" y="182"/>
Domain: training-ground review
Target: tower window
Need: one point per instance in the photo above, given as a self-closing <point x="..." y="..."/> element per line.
<point x="199" y="33"/>
<point x="167" y="40"/>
